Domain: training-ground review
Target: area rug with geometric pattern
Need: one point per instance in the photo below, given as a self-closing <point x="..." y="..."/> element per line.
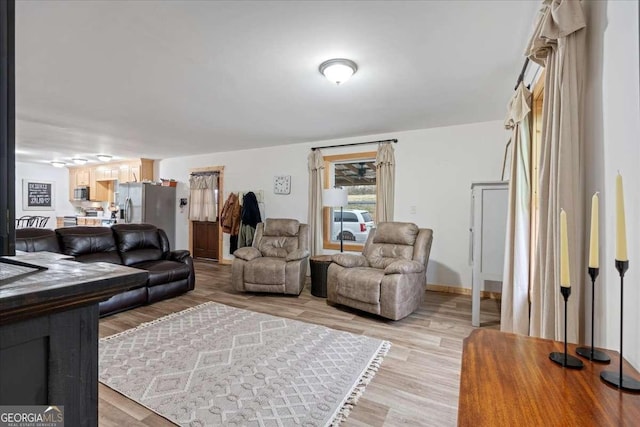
<point x="216" y="365"/>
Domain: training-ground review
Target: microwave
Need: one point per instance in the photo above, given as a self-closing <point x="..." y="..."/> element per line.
<point x="81" y="193"/>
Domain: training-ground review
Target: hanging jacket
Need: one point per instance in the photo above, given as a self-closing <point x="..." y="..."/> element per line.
<point x="245" y="237"/>
<point x="230" y="216"/>
<point x="250" y="210"/>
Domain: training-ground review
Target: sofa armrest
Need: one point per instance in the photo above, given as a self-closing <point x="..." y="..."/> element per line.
<point x="404" y="266"/>
<point x="350" y="260"/>
<point x="179" y="255"/>
<point x="297" y="254"/>
<point x="247" y="253"/>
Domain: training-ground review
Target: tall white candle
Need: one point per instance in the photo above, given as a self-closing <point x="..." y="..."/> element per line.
<point x="621" y="229"/>
<point x="594" y="251"/>
<point x="565" y="280"/>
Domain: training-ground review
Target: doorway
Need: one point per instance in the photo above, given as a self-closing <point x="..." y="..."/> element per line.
<point x="205" y="236"/>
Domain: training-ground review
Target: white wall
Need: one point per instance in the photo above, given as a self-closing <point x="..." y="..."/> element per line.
<point x="249" y="170"/>
<point x="435" y="168"/>
<point x="612" y="145"/>
<point x="44" y="172"/>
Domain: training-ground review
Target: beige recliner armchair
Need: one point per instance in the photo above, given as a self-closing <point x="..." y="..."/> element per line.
<point x="277" y="260"/>
<point x="389" y="278"/>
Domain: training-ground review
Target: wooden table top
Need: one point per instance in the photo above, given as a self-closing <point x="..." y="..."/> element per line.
<point x="321" y="258"/>
<point x="508" y="379"/>
<point x="25" y="293"/>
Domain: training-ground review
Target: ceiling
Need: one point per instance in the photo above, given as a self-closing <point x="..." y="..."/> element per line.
<point x="166" y="79"/>
<point x="355" y="173"/>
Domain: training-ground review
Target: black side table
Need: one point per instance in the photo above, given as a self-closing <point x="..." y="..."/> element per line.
<point x="319" y="265"/>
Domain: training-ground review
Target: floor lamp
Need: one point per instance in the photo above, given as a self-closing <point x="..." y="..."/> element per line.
<point x="334" y="197"/>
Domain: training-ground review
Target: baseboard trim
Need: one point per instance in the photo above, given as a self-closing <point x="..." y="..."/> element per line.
<point x="216" y="261"/>
<point x="463" y="291"/>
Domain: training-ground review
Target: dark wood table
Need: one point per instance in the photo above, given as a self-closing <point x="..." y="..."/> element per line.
<point x="508" y="380"/>
<point x="319" y="264"/>
<point x="49" y="331"/>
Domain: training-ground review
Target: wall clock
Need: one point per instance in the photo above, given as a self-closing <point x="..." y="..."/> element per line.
<point x="282" y="184"/>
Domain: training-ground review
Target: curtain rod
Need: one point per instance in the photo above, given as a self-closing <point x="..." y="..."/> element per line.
<point x="521" y="76"/>
<point x="204" y="173"/>
<point x="395" y="141"/>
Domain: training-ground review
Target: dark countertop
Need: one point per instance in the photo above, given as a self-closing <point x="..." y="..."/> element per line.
<point x="64" y="285"/>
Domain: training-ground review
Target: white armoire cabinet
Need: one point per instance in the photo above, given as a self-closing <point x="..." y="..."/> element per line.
<point x="489" y="205"/>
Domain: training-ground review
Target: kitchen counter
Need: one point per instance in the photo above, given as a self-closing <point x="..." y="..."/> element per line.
<point x="49" y="331"/>
<point x="65" y="284"/>
<point x="95" y="221"/>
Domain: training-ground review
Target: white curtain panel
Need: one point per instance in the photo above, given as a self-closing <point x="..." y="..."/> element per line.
<point x="209" y="202"/>
<point x="558" y="44"/>
<point x="316" y="168"/>
<point x="385" y="182"/>
<point x="203" y="205"/>
<point x="515" y="285"/>
<point x="196" y="198"/>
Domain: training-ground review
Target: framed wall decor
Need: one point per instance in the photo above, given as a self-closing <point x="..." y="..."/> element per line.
<point x="282" y="184"/>
<point x="38" y="195"/>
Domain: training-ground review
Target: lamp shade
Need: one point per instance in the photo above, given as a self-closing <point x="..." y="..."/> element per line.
<point x="335" y="197"/>
<point x="338" y="70"/>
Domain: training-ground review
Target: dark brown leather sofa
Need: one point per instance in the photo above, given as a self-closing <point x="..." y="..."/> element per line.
<point x="140" y="246"/>
<point x="36" y="240"/>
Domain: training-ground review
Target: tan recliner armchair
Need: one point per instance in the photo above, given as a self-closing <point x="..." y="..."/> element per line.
<point x="389" y="278"/>
<point x="277" y="260"/>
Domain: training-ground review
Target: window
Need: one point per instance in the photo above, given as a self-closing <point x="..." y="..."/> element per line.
<point x="357" y="173"/>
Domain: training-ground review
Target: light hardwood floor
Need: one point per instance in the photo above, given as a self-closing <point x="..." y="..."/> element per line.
<point x="417" y="383"/>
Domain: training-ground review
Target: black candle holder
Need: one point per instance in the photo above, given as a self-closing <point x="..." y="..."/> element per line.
<point x="617" y="379"/>
<point x="592" y="353"/>
<point x="563" y="359"/>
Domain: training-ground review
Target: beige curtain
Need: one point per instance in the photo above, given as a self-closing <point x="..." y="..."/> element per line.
<point x="558" y="44"/>
<point x="210" y="198"/>
<point x="203" y="190"/>
<point x="385" y="182"/>
<point x="316" y="168"/>
<point x="515" y="285"/>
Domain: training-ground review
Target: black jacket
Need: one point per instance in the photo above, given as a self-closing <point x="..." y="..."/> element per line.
<point x="250" y="210"/>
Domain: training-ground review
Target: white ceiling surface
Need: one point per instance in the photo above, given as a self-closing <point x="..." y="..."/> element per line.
<point x="165" y="79"/>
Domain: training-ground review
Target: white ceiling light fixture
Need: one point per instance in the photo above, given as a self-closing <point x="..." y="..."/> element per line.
<point x="57" y="164"/>
<point x="104" y="157"/>
<point x="79" y="161"/>
<point x="338" y="70"/>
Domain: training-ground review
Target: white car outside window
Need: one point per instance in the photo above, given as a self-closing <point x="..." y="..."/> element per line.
<point x="356" y="225"/>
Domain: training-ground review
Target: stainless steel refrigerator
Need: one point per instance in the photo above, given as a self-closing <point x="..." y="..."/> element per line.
<point x="149" y="204"/>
